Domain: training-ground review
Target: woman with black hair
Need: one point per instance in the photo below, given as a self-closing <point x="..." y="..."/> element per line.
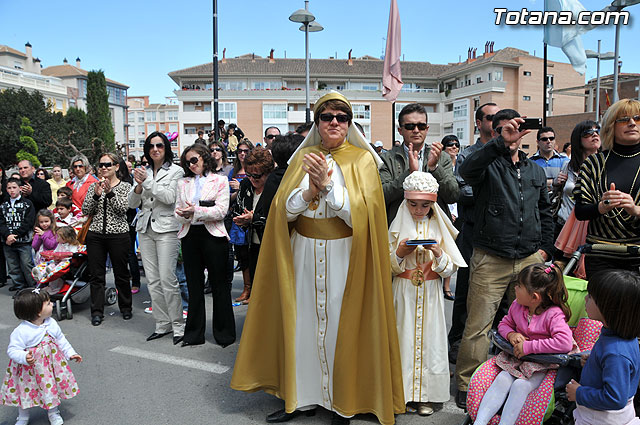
<point x="201" y="205"/>
<point x="155" y="193"/>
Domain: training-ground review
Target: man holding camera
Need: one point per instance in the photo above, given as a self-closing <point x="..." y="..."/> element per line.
<point x="513" y="229"/>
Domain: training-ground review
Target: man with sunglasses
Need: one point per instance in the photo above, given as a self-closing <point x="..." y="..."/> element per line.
<point x="413" y="155"/>
<point x="269" y="134"/>
<point x="484" y="119"/>
<point x="547" y="156"/>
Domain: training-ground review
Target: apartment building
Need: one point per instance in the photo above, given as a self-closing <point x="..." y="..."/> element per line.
<point x="256" y="92"/>
<point x="75" y="80"/>
<point x="144" y="118"/>
<point x="21" y="70"/>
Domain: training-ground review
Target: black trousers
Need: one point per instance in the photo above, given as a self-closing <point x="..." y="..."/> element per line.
<point x="593" y="264"/>
<point x="254" y="252"/>
<point x="200" y="250"/>
<point x="134" y="268"/>
<point x="459" y="316"/>
<point x="117" y="247"/>
<point x="3" y="265"/>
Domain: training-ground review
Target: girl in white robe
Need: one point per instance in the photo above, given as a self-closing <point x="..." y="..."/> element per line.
<point x="417" y="290"/>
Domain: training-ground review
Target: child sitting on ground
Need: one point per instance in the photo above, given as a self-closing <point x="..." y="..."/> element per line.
<point x="44" y="238"/>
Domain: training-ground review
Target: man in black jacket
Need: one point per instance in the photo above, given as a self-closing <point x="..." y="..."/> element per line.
<point x="513" y="229"/>
<point x="36" y="190"/>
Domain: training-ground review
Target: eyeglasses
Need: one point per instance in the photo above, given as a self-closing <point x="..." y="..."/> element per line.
<point x="216" y="150"/>
<point x="255" y="176"/>
<point x="106" y="164"/>
<point x="341" y="118"/>
<point x="273" y="136"/>
<point x="590" y="132"/>
<point x="454" y="144"/>
<point x="636" y="119"/>
<point x="243" y="151"/>
<point x="422" y="126"/>
<point x="547" y="139"/>
<point x="193" y="160"/>
<point x="78" y="166"/>
<point x="144" y="164"/>
<point x="489" y="117"/>
<point x="156" y="145"/>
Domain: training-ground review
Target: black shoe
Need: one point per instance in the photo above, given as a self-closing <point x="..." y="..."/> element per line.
<point x="461" y="400"/>
<point x="3" y="284"/>
<point x="282" y="416"/>
<point x="127" y="315"/>
<point x="207" y="289"/>
<point x="339" y="420"/>
<point x="186" y="344"/>
<point x="14" y="288"/>
<point x="177" y="339"/>
<point x="96" y="320"/>
<point x="448" y="295"/>
<point x="156" y="335"/>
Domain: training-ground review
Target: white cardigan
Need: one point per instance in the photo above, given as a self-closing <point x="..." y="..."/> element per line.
<point x="27" y="335"/>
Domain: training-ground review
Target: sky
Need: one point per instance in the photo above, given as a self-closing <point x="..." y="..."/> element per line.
<point x="138" y="42"/>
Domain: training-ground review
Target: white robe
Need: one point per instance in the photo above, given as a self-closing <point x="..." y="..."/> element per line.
<point x="321" y="268"/>
<point x="422" y="329"/>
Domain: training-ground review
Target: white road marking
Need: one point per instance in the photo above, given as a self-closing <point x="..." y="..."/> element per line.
<point x="165" y="358"/>
<point x="3" y="326"/>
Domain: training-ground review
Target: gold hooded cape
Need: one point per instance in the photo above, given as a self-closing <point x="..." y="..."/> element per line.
<point x="367" y="371"/>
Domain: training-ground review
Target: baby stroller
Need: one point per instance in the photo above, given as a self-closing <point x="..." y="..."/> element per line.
<point x="547" y="403"/>
<point x="73" y="289"/>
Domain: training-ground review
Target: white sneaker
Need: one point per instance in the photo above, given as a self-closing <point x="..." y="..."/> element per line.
<point x="184" y="314"/>
<point x="22" y="421"/>
<point x="148" y="310"/>
<point x="55" y="418"/>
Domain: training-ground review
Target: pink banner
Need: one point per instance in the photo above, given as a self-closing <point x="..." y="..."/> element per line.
<point x="391" y="74"/>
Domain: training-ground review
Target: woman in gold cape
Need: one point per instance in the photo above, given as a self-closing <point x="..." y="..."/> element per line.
<point x="366" y="375"/>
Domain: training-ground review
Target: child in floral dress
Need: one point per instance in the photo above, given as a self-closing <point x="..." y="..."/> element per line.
<point x="38" y="373"/>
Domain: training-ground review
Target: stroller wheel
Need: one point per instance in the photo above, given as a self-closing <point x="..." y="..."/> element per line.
<point x="69" y="311"/>
<point x="58" y="310"/>
<point x="111" y="296"/>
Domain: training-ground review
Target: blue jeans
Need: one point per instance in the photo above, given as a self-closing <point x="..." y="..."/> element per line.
<point x="182" y="280"/>
<point x="20" y="263"/>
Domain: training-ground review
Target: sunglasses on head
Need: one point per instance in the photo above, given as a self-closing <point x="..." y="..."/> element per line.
<point x="193" y="160"/>
<point x="410" y="126"/>
<point x="255" y="176"/>
<point x="452" y="144"/>
<point x="636" y="119"/>
<point x="547" y="139"/>
<point x="105" y="164"/>
<point x="216" y="150"/>
<point x="341" y="118"/>
<point x="156" y="145"/>
<point x="270" y="136"/>
<point x="590" y="132"/>
<point x="489" y="117"/>
<point x="243" y="151"/>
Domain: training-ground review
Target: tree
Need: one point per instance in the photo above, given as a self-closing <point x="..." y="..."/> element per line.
<point x="29" y="149"/>
<point x="15" y="104"/>
<point x="98" y="114"/>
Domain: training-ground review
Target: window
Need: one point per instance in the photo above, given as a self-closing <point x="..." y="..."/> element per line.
<point x="489" y="78"/>
<point x="369" y="86"/>
<point x="173" y="128"/>
<point x="151" y="128"/>
<point x="549" y="80"/>
<point x="59" y="104"/>
<point x="526" y="98"/>
<point x="206" y="106"/>
<point x="498" y="75"/>
<point x="467" y="80"/>
<point x="460" y="111"/>
<point x="527" y="73"/>
<point x="174" y="143"/>
<point x="448" y="107"/>
<point x="141" y="143"/>
<point x="141" y="131"/>
<point x="232" y="85"/>
<point x="17" y="65"/>
<point x="140" y="116"/>
<point x="476" y="103"/>
<point x="478" y="79"/>
<point x="274" y="111"/>
<point x="189" y="107"/>
<point x="161" y="116"/>
<point x="151" y="116"/>
<point x="460" y="132"/>
<point x="131" y="117"/>
<point x="361" y="112"/>
<point x="113" y="118"/>
<point x="132" y="143"/>
<point x="228" y="112"/>
<point x="172" y="115"/>
<point x="190" y="130"/>
<point x="83" y="88"/>
<point x="367" y="131"/>
<point x="267" y="85"/>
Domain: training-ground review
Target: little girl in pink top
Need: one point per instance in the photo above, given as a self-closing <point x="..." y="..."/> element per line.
<point x="536" y="323"/>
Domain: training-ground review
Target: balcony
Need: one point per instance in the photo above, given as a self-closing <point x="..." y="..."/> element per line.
<point x="17" y="79"/>
<point x="477" y="89"/>
<point x="298" y="117"/>
<point x="195" y="117"/>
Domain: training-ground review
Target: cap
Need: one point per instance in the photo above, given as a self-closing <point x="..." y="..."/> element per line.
<point x="378" y="144"/>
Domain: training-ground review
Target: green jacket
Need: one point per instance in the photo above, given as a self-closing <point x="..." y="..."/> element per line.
<point x="396" y="169"/>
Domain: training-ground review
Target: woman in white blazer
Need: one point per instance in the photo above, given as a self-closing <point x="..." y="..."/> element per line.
<point x="154" y="193"/>
<point x="203" y="201"/>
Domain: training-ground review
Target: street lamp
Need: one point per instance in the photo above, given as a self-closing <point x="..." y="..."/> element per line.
<point x="619" y="5"/>
<point x="599" y="56"/>
<point x="307" y="20"/>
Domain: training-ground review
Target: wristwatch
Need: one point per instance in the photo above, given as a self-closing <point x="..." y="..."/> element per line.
<point x="327" y="188"/>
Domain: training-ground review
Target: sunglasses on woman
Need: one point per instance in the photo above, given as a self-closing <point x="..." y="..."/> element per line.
<point x="590" y="132"/>
<point x="636" y="119"/>
<point x="243" y="151"/>
<point x="454" y="144"/>
<point x="105" y="164"/>
<point x="341" y="118"/>
<point x="156" y="145"/>
<point x="193" y="160"/>
<point x="255" y="176"/>
<point x="216" y="150"/>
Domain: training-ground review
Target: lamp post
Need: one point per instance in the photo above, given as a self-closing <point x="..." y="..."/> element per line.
<point x="619" y="5"/>
<point x="307" y="20"/>
<point x="599" y="56"/>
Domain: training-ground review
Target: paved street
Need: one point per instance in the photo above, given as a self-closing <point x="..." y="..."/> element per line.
<point x="126" y="380"/>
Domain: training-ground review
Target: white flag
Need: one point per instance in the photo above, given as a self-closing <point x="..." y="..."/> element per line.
<point x="567" y="37"/>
